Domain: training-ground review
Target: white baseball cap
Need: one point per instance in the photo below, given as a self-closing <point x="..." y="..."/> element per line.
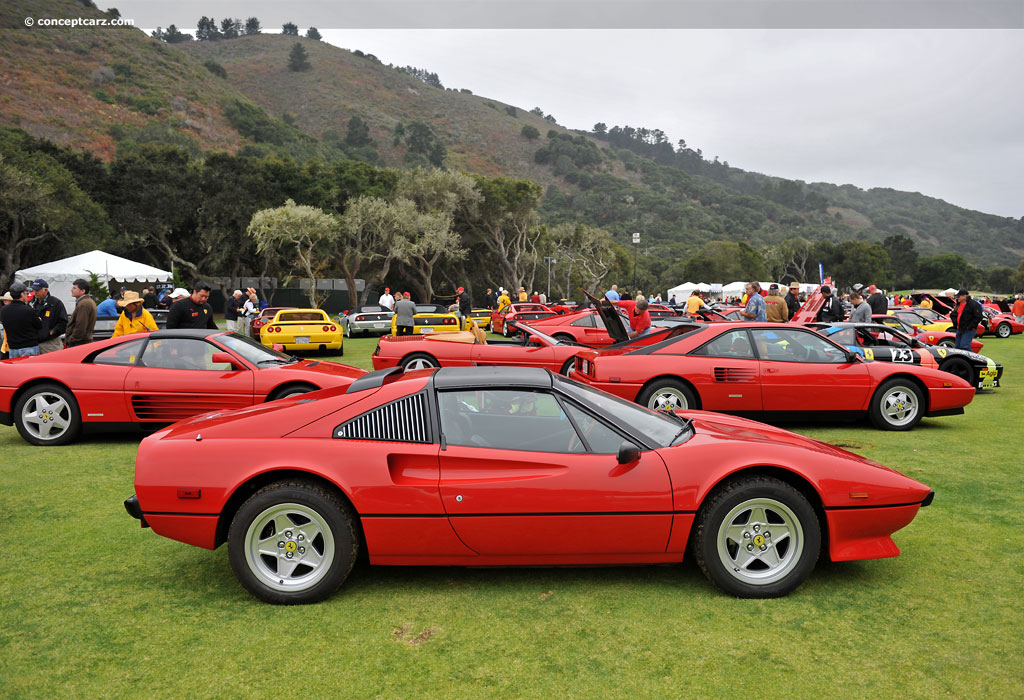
<point x="178" y="293"/>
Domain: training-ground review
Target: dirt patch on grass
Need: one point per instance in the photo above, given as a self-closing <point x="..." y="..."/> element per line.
<point x="406" y="635"/>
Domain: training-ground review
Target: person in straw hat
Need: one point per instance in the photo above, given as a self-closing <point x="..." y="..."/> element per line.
<point x="134" y="317"/>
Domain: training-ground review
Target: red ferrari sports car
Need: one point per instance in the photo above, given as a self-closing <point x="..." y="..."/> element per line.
<point x="486" y="466"/>
<point x="517" y="312"/>
<point x="584" y="327"/>
<point x="465" y="349"/>
<point x="265" y="317"/>
<point x="769" y="369"/>
<point x="149" y="380"/>
<point x="1001" y="324"/>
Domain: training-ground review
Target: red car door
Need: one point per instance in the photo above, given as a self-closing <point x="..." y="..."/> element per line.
<point x="176" y="378"/>
<point x="516" y="480"/>
<point x="484" y="354"/>
<point x="725" y="373"/>
<point x="801" y="371"/>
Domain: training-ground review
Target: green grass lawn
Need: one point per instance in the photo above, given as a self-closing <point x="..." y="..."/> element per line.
<point x="93" y="606"/>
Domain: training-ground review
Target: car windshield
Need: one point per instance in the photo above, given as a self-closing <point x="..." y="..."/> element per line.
<point x="252" y="351"/>
<point x="661" y="429"/>
<point x="533" y="333"/>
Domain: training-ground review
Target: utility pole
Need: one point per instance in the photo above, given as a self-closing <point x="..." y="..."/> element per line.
<point x="550" y="261"/>
<point x="636" y="250"/>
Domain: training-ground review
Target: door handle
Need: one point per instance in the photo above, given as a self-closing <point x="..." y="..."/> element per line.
<point x="770" y="370"/>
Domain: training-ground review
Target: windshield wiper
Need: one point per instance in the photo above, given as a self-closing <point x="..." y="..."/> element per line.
<point x="280" y="360"/>
<point x="687" y="427"/>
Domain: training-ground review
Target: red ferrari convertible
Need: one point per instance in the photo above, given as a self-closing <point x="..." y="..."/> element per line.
<point x="517" y="312"/>
<point x="584" y="327"/>
<point x="769" y="369"/>
<point x="484" y="466"/>
<point x="149" y="380"/>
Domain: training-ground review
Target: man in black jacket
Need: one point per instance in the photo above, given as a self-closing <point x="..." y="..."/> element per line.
<point x="877" y="301"/>
<point x="966" y="315"/>
<point x="21" y="324"/>
<point x="831" y="310"/>
<point x="53" y="316"/>
<point x="792" y="300"/>
<point x="192" y="311"/>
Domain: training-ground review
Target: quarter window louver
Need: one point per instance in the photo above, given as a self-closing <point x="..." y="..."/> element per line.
<point x="404" y="420"/>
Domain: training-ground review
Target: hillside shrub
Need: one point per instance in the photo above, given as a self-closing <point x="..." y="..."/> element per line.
<point x="530" y="132"/>
<point x="216" y="68"/>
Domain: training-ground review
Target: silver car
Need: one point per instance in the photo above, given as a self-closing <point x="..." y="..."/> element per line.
<point x="367" y="319"/>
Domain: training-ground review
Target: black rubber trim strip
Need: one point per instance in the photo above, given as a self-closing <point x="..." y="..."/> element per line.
<point x="512" y="515"/>
<point x="202" y="515"/>
<point x="927" y="501"/>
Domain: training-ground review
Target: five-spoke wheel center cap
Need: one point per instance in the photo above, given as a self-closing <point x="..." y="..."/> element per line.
<point x="758" y="539"/>
<point x="291" y="544"/>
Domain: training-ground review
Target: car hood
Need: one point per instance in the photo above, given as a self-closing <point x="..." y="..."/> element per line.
<point x="335" y="369"/>
<point x="743" y="429"/>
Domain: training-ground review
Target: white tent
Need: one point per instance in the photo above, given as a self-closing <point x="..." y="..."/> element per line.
<point x="61" y="273"/>
<point x="948" y="293"/>
<point x="681" y="292"/>
<point x="734" y="288"/>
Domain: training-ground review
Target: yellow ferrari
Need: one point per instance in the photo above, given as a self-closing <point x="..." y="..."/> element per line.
<point x="922" y="323"/>
<point x="430" y="318"/>
<point x="482" y="318"/>
<point x="303" y="329"/>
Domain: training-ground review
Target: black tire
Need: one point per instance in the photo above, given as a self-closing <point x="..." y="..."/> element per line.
<point x="505" y="330"/>
<point x="947" y="343"/>
<point x="757" y="537"/>
<point x="290" y="390"/>
<point x="419" y="360"/>
<point x="48" y="414"/>
<point x="340" y="351"/>
<point x="897" y="405"/>
<point x="960" y="367"/>
<point x="565" y="337"/>
<point x="1003" y="330"/>
<point x="568" y="365"/>
<point x="667" y="394"/>
<point x="300" y="518"/>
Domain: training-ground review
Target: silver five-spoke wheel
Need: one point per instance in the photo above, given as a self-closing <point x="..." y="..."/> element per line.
<point x="897" y="405"/>
<point x="289" y="547"/>
<point x="760" y="541"/>
<point x="47" y="414"/>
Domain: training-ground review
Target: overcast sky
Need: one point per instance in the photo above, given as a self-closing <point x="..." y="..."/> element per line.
<point x="939" y="112"/>
<point x="936" y="111"/>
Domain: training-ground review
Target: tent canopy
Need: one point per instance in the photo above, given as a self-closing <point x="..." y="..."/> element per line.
<point x="59" y="274"/>
<point x="948" y="293"/>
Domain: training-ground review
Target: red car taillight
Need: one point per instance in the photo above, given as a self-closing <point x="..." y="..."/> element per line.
<point x="449" y="321"/>
<point x="333" y="329"/>
<point x="360" y="318"/>
<point x="326" y="328"/>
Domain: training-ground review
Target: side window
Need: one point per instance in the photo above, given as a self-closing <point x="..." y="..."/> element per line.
<point x="507" y="419"/>
<point x="123" y="354"/>
<point x="795" y="346"/>
<point x="847" y="336"/>
<point x="601" y="439"/>
<point x="734" y="344"/>
<point x="584" y="322"/>
<point x="181" y="353"/>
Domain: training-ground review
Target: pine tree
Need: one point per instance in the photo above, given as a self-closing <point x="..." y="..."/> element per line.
<point x="252" y="26"/>
<point x="298" y="59"/>
<point x="290" y="29"/>
<point x="312" y="33"/>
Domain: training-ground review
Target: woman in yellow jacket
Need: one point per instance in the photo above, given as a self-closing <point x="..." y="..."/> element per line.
<point x="134" y="317"/>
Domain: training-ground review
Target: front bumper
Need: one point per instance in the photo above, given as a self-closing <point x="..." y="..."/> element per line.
<point x="135" y="510"/>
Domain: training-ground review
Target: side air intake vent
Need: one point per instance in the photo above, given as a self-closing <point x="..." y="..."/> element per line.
<point x="404" y="420"/>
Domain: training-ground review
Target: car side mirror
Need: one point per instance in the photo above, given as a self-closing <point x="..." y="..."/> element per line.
<point x="851" y="356"/>
<point x="628" y="452"/>
<point x="227" y="359"/>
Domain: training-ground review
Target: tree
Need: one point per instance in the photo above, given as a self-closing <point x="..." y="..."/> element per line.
<point x="307" y="230"/>
<point x="861" y="262"/>
<point x="903" y="257"/>
<point x="942" y="271"/>
<point x="1000" y="279"/>
<point x="368" y="242"/>
<point x="1018" y="277"/>
<point x="252" y="26"/>
<point x="590" y="252"/>
<point x="727" y="261"/>
<point x="312" y="33"/>
<point x="530" y="132"/>
<point x="230" y="28"/>
<point x="421" y="140"/>
<point x="206" y="29"/>
<point x="504" y="224"/>
<point x="297" y="59"/>
<point x="290" y="29"/>
<point x="173" y="35"/>
<point x="600" y="129"/>
<point x="358" y="133"/>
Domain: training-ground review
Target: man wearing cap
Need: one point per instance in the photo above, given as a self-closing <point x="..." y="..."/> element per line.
<point x="793" y="298"/>
<point x="831" y="310"/>
<point x="877" y="301"/>
<point x="966" y="315"/>
<point x="386" y="300"/>
<point x="776" y="309"/>
<point x="83" y="318"/>
<point x="135" y="318"/>
<point x="405" y="310"/>
<point x="21" y="324"/>
<point x="232" y="308"/>
<point x="53" y="315"/>
<point x="192" y="311"/>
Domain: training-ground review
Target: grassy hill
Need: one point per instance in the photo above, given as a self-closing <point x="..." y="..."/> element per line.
<point x="101" y="90"/>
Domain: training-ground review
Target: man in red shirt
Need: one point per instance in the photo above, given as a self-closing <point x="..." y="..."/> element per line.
<point x="639" y="319"/>
<point x="1018" y="308"/>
